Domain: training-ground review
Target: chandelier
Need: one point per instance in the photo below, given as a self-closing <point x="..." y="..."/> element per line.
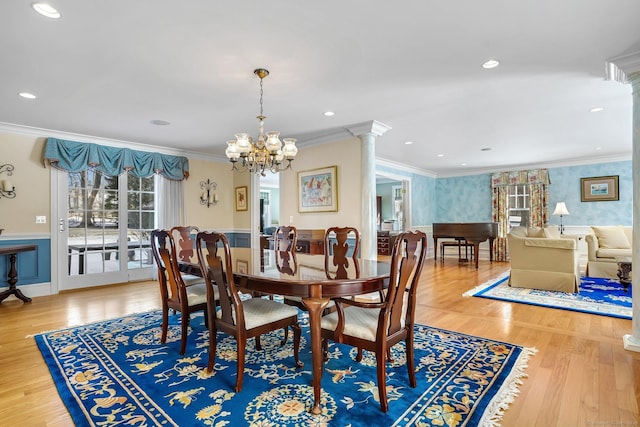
<point x="267" y="153"/>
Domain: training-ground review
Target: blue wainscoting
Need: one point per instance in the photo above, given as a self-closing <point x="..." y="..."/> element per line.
<point x="33" y="266"/>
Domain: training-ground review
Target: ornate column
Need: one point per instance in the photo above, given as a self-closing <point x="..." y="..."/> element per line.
<point x="368" y="132"/>
<point x="626" y="69"/>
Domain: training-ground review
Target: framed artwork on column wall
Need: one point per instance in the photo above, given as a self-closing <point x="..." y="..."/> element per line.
<point x="318" y="190"/>
<point x="241" y="198"/>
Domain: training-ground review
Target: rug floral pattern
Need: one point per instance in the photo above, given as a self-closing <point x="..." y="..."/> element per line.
<point x="117" y="373"/>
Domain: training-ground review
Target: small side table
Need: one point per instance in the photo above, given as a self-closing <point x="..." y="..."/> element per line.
<point x="12" y="251"/>
<point x="624" y="268"/>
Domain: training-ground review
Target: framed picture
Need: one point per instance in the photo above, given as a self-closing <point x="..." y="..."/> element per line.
<point x="241" y="198"/>
<point x="599" y="189"/>
<point x="318" y="190"/>
<point x="242" y="267"/>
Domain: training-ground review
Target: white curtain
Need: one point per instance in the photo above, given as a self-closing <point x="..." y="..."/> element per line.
<point x="170" y="198"/>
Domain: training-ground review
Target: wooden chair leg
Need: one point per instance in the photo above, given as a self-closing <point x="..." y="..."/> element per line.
<point x="297" y="333"/>
<point x="241" y="343"/>
<point x="286" y="336"/>
<point x="411" y="368"/>
<point x="165" y="325"/>
<point x="185" y="330"/>
<point x="382" y="380"/>
<point x="213" y="339"/>
<point x="359" y="355"/>
<point x="258" y="344"/>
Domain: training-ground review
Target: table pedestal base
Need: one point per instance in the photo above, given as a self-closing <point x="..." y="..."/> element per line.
<point x="14" y="291"/>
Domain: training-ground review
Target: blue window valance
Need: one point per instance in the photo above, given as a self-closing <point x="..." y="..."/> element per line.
<point x="79" y="156"/>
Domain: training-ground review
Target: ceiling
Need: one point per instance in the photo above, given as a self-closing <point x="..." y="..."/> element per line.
<point x="107" y="69"/>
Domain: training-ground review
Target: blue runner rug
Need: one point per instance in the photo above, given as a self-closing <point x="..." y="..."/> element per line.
<point x="606" y="297"/>
<point x="116" y="372"/>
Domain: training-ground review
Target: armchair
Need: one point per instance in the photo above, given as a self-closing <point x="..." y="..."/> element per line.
<point x="541" y="258"/>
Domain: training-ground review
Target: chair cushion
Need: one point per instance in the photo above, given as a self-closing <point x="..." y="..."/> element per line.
<point x="611" y="237"/>
<point x="260" y="311"/>
<point x="197" y="294"/>
<point x="612" y="253"/>
<point x="191" y="279"/>
<point x="358" y="322"/>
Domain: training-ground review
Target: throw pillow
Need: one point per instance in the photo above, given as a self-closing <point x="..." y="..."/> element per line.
<point x="535" y="232"/>
<point x="552" y="232"/>
<point x="611" y="237"/>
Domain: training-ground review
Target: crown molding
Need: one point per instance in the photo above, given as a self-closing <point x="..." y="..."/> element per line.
<point x="404" y="168"/>
<point x="619" y="68"/>
<point x="46" y="133"/>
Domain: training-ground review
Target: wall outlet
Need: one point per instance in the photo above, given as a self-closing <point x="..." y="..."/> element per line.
<point x="291" y="219"/>
<point x="41" y="219"/>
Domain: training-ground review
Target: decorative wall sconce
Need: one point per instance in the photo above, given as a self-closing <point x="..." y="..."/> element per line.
<point x="6" y="188"/>
<point x="208" y="197"/>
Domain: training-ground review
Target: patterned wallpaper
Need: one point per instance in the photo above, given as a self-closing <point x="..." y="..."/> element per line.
<point x="468" y="198"/>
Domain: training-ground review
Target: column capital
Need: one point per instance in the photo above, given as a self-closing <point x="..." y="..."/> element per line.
<point x="621" y="67"/>
<point x="371" y="127"/>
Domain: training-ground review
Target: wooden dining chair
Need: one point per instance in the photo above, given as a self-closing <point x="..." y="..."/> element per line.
<point x="240" y="319"/>
<point x="174" y="293"/>
<point x="337" y="254"/>
<point x="377" y="326"/>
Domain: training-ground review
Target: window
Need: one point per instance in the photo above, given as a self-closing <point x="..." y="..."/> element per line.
<point x="519" y="205"/>
<point x="141" y="219"/>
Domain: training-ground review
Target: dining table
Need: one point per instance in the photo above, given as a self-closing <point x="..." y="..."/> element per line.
<point x="306" y="277"/>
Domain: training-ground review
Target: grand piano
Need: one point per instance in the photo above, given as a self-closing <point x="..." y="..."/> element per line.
<point x="473" y="232"/>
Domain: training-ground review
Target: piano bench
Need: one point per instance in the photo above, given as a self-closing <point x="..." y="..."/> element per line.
<point x="458" y="244"/>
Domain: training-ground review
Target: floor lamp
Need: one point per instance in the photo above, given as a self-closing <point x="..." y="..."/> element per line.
<point x="561" y="209"/>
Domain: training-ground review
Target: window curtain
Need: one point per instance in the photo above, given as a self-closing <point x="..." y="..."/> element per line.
<point x="74" y="156"/>
<point x="537" y="181"/>
<point x="171" y="203"/>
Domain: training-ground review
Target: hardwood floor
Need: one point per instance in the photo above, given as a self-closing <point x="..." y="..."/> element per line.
<point x="581" y="375"/>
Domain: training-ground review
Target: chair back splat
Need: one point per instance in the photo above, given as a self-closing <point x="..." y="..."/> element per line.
<point x="347" y="239"/>
<point x="285" y="238"/>
<point x="378" y="326"/>
<point x="185" y="237"/>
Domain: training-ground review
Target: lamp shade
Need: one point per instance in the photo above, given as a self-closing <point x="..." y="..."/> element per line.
<point x="561" y="209"/>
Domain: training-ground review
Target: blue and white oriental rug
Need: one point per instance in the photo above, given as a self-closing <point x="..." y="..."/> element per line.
<point x="606" y="297"/>
<point x="116" y="372"/>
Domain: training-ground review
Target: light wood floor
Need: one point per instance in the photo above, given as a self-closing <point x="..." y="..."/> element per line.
<point x="581" y="375"/>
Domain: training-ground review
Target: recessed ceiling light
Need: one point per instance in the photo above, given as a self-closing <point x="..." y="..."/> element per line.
<point x="160" y="122"/>
<point x="598" y="148"/>
<point x="47" y="10"/>
<point x="492" y="63"/>
<point x="463" y="164"/>
<point x="408" y="142"/>
<point x="27" y="95"/>
<point x="329" y="113"/>
<point x="486" y="149"/>
<point x="440" y="155"/>
<point x="596" y="109"/>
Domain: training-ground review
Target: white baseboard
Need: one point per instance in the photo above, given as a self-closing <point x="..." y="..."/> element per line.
<point x="33" y="291"/>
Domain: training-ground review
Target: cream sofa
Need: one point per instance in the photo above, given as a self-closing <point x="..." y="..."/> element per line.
<point x="604" y="245"/>
<point x="541" y="258"/>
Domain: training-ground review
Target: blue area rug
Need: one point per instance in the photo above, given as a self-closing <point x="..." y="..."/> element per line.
<point x="116" y="372"/>
<point x="606" y="297"/>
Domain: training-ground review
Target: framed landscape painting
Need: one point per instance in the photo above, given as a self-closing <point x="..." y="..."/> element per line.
<point x="318" y="190"/>
<point x="599" y="189"/>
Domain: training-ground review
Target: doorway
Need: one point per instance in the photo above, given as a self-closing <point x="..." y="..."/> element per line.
<point x="394" y="193"/>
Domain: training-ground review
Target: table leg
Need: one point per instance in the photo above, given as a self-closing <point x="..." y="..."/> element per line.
<point x="476" y="249"/>
<point x="315" y="306"/>
<point x="12" y="280"/>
